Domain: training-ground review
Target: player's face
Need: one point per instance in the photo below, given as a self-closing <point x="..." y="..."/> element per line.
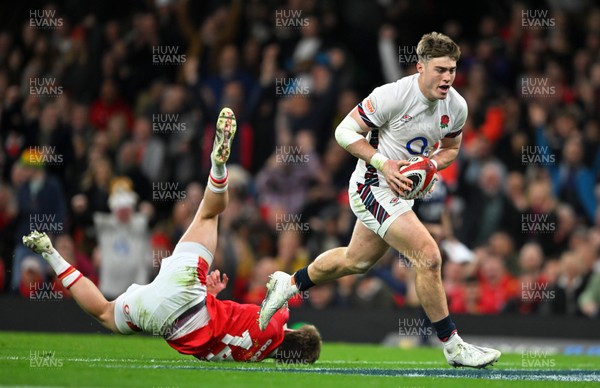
<point x="436" y="77"/>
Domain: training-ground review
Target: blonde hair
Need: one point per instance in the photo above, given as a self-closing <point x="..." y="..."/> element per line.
<point x="436" y="45"/>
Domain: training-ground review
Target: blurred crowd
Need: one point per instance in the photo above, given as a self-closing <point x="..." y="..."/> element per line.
<point x="107" y="120"/>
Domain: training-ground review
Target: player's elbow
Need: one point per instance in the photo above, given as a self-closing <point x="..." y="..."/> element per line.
<point x="107" y="317"/>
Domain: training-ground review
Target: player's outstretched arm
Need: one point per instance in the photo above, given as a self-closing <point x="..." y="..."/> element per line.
<point x="85" y="293"/>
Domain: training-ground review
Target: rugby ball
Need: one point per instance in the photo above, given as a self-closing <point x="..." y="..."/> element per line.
<point x="421" y="171"/>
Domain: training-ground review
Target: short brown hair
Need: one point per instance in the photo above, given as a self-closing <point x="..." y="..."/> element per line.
<point x="436" y="45"/>
<point x="302" y="346"/>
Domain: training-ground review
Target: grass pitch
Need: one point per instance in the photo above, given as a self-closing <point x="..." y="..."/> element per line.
<point x="39" y="359"/>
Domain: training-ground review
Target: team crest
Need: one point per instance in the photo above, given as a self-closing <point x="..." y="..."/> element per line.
<point x="406" y="118"/>
<point x="444" y="121"/>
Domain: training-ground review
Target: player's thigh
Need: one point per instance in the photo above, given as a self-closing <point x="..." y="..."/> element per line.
<point x="410" y="237"/>
<point x="204" y="232"/>
<point x="365" y="247"/>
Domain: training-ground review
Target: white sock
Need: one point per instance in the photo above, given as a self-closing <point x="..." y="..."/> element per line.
<point x="217" y="180"/>
<point x="67" y="274"/>
<point x="218" y="171"/>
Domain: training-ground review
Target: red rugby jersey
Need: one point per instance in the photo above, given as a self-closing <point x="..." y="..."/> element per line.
<point x="232" y="333"/>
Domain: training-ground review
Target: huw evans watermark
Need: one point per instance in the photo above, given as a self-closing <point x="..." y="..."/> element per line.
<point x="537" y="359"/>
<point x="537" y="87"/>
<point x="44" y="291"/>
<point x="407" y="54"/>
<point x="536" y="292"/>
<point x="414" y="258"/>
<point x="537" y="19"/>
<point x="44" y="359"/>
<point x="44" y="19"/>
<point x="290" y="223"/>
<point x="290" y="357"/>
<point x="537" y="155"/>
<point x="158" y="255"/>
<point x="414" y="327"/>
<point x="290" y="18"/>
<point x="46" y="155"/>
<point x="291" y="155"/>
<point x="45" y="87"/>
<point x="168" y="191"/>
<point x="167" y="122"/>
<point x="291" y="86"/>
<point x="167" y="55"/>
<point x="537" y="223"/>
<point x="45" y="222"/>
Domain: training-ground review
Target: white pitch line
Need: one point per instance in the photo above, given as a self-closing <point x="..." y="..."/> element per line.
<point x="193" y="362"/>
<point x="196" y="362"/>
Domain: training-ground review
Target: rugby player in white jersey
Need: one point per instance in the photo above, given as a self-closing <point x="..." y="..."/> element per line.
<point x="419" y="114"/>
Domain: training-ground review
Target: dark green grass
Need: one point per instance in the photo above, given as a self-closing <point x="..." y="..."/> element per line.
<point x="36" y="359"/>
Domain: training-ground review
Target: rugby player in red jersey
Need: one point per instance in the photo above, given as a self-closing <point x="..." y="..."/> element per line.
<point x="180" y="303"/>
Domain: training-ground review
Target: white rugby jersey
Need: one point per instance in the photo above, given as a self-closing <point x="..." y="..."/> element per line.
<point x="404" y="123"/>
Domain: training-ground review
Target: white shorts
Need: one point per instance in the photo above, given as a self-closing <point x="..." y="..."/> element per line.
<point x="377" y="207"/>
<point x="177" y="292"/>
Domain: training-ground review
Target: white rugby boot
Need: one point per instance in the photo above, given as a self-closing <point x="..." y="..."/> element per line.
<point x="38" y="242"/>
<point x="461" y="354"/>
<point x="224" y="133"/>
<point x="279" y="291"/>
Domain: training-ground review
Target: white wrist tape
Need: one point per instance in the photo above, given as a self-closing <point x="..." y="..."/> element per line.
<point x="348" y="132"/>
<point x="434" y="163"/>
<point x="378" y="160"/>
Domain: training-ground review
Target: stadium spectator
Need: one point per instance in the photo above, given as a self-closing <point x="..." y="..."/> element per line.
<point x="109" y="104"/>
<point x="589" y="300"/>
<point x="291" y="255"/>
<point x="32" y="276"/>
<point x="49" y="136"/>
<point x="497" y="285"/>
<point x="128" y="165"/>
<point x="65" y="245"/>
<point x="569" y="284"/>
<point x="322" y="296"/>
<point x="123" y="241"/>
<point x="150" y="152"/>
<point x="255" y="291"/>
<point x="453" y="278"/>
<point x="284" y="181"/>
<point x="41" y="205"/>
<point x="489" y="207"/>
<point x="93" y="197"/>
<point x="502" y="245"/>
<point x="8" y="213"/>
<point x="178" y="126"/>
<point x="540" y="218"/>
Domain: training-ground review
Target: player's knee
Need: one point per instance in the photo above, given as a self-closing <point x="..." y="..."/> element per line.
<point x="430" y="260"/>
